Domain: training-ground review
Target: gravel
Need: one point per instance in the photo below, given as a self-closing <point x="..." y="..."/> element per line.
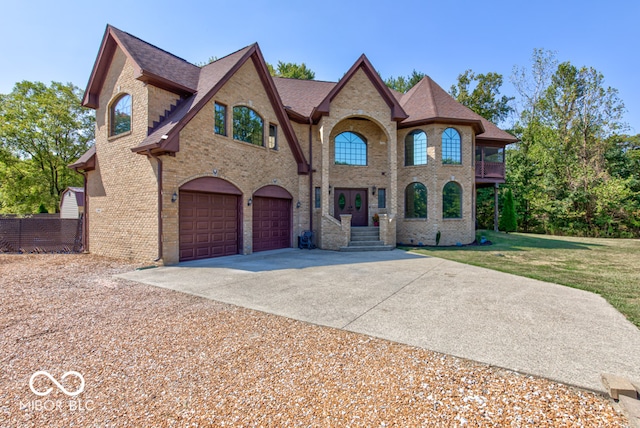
<point x="154" y="357"/>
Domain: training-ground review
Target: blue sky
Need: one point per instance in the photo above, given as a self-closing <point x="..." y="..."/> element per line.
<point x="46" y="41"/>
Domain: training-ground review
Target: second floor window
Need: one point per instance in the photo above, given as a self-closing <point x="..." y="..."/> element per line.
<point x="415" y="148"/>
<point x="350" y="149"/>
<point x="248" y="126"/>
<point x="220" y="119"/>
<point x="451" y="149"/>
<point x="121" y="115"/>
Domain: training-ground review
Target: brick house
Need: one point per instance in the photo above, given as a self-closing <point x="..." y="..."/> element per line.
<point x="195" y="162"/>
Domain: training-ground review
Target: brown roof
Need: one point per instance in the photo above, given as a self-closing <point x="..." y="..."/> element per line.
<point x="302" y="96"/>
<point x="153" y="65"/>
<point x="87" y="161"/>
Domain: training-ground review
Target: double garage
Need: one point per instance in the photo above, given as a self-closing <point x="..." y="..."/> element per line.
<point x="211" y="219"/>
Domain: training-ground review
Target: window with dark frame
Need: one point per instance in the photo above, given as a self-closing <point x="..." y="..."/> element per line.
<point x="121" y="115"/>
<point x="318" y="197"/>
<point x="415" y="201"/>
<point x="220" y="127"/>
<point x="273" y="136"/>
<point x="452" y="200"/>
<point x="451" y="149"/>
<point x="248" y="126"/>
<point x="350" y="149"/>
<point x="382" y="198"/>
<point x="415" y="148"/>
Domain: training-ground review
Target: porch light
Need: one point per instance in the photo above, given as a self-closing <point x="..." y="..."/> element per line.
<point x="174" y="197"/>
<point x="329" y="188"/>
<point x="249" y="202"/>
<point x="298" y="205"/>
<point x="373" y="190"/>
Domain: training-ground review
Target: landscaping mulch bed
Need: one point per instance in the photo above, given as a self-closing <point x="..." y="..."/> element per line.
<point x="154" y="357"/>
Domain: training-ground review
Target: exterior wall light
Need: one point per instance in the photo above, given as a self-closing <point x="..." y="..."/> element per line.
<point x="298" y="205"/>
<point x="373" y="190"/>
<point x="329" y="188"/>
<point x="250" y="201"/>
<point x="174" y="197"/>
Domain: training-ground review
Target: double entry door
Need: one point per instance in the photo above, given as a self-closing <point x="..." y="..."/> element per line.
<point x="354" y="202"/>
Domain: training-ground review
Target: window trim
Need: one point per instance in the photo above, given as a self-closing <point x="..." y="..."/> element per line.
<point x="275" y="137"/>
<point x="224" y="132"/>
<point x="461" y="214"/>
<point x="364" y="142"/>
<point x="426" y="146"/>
<point x="442" y="151"/>
<point x="242" y="106"/>
<point x="112" y="106"/>
<point x="406" y="201"/>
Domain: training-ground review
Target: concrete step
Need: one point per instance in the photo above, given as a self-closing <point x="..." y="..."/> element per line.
<point x="376" y="248"/>
<point x="365" y="238"/>
<point x="371" y="243"/>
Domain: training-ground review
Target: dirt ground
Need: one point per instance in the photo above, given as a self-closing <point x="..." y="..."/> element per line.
<point x="154" y="357"/>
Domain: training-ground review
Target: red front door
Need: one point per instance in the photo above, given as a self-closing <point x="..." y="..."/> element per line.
<point x="354" y="202"/>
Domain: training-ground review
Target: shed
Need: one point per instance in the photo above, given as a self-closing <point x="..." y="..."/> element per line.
<point x="72" y="202"/>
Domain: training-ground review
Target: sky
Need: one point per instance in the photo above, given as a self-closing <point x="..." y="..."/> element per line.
<point x="58" y="41"/>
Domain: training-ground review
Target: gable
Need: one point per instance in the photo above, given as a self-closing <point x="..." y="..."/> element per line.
<point x="360" y="94"/>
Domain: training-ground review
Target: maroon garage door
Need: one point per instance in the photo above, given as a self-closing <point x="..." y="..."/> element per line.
<point x="271" y="223"/>
<point x="208" y="225"/>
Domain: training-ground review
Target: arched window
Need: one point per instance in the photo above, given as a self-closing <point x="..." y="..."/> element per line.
<point x="121" y="115"/>
<point x="452" y="200"/>
<point x="351" y="149"/>
<point x="415" y="201"/>
<point x="451" y="149"/>
<point x="248" y="126"/>
<point x="415" y="148"/>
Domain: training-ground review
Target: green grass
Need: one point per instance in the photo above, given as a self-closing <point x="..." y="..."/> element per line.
<point x="608" y="267"/>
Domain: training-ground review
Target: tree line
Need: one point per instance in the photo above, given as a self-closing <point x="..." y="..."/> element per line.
<point x="574" y="171"/>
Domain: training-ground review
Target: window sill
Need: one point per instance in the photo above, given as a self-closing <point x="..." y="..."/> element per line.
<point x="415" y="219"/>
<point x="115" y="137"/>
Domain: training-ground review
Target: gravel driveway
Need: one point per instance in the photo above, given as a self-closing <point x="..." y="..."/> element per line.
<point x="155" y="357"/>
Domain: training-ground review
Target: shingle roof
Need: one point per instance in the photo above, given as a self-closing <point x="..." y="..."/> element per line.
<point x="156" y="62"/>
<point x="86" y="161"/>
<point x="302" y="96"/>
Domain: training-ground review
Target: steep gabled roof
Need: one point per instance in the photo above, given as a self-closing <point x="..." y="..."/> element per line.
<point x="397" y="113"/>
<point x="153" y="65"/>
<point x="165" y="138"/>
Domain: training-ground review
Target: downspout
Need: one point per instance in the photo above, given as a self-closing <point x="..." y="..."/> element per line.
<point x="159" y="203"/>
<point x="311" y="193"/>
<point x="85" y="213"/>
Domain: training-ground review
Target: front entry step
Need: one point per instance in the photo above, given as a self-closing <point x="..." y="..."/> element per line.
<point x="366" y="239"/>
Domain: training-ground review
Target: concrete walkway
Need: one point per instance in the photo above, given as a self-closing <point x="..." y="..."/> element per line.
<point x="504" y="320"/>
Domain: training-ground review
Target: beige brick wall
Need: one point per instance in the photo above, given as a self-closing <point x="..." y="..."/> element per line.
<point x="122" y="192"/>
<point x="247" y="166"/>
<point x="434" y="176"/>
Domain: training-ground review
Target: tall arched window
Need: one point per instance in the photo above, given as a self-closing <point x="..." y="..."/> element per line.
<point x="451" y="149"/>
<point x="452" y="200"/>
<point x="415" y="148"/>
<point x="415" y="201"/>
<point x="248" y="126"/>
<point x="121" y="115"/>
<point x="350" y="149"/>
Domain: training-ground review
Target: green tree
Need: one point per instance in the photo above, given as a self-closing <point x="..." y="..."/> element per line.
<point x="484" y="98"/>
<point x="403" y="84"/>
<point x="291" y="70"/>
<point x="508" y="221"/>
<point x="42" y="130"/>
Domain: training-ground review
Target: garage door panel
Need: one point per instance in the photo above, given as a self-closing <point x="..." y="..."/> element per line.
<point x="209" y="225"/>
<point x="271" y="223"/>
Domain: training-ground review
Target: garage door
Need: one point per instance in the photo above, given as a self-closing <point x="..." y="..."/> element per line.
<point x="208" y="225"/>
<point x="271" y="223"/>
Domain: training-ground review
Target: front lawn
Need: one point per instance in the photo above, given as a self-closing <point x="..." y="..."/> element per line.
<point x="609" y="267"/>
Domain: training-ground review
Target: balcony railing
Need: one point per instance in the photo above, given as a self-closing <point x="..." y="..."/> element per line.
<point x="489" y="169"/>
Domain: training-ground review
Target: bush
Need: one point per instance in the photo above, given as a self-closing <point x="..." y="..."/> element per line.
<point x="508" y="221"/>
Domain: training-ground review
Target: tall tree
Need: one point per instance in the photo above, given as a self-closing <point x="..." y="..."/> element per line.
<point x="403" y="84"/>
<point x="42" y="130"/>
<point x="508" y="221"/>
<point x="291" y="70"/>
<point x="481" y="93"/>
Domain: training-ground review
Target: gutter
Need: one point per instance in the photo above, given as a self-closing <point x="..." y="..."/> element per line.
<point x="149" y="154"/>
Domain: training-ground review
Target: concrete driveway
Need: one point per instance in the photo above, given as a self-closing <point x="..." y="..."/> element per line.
<point x="525" y="325"/>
